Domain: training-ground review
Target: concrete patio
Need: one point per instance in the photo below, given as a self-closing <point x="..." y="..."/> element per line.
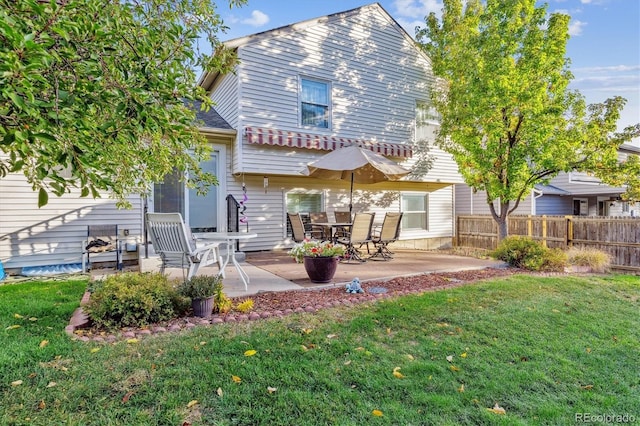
<point x="276" y="271"/>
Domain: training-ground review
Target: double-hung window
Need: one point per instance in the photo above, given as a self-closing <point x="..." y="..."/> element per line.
<point x="314" y="103"/>
<point x="426" y="113"/>
<point x="415" y="208"/>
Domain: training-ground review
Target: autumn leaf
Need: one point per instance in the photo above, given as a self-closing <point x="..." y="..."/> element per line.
<point x="16" y="383"/>
<point x="410" y="357"/>
<point x="18" y="316"/>
<point x="126" y="397"/>
<point x="397" y="373"/>
<point x="236" y="379"/>
<point x="219" y="392"/>
<point x="13" y="327"/>
<point x="588" y="350"/>
<point x="587" y="387"/>
<point x="377" y="413"/>
<point x="250" y="352"/>
<point x="132" y="340"/>
<point x="307" y="330"/>
<point x="304" y="348"/>
<point x="331" y="336"/>
<point x="33" y="319"/>
<point x="453" y="368"/>
<point x="271" y="390"/>
<point x="51" y="384"/>
<point x="463" y="355"/>
<point x="461" y="388"/>
<point x="497" y="409"/>
<point x="44" y="343"/>
<point x="94" y="350"/>
<point x="347" y="362"/>
<point x="42" y="405"/>
<point x="450" y="358"/>
<point x="192" y="403"/>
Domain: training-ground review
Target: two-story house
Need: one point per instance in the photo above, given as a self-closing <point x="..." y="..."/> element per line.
<point x="298" y="92"/>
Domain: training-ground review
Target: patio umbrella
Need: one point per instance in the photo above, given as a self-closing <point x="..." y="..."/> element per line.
<point x="355" y="164"/>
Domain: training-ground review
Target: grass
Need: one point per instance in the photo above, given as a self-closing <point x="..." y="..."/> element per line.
<point x="544" y="349"/>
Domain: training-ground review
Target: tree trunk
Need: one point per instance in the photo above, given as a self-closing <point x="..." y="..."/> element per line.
<point x="501" y="219"/>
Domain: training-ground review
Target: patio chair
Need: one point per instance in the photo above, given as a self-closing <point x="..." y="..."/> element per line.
<point x="297" y="227"/>
<point x="360" y="234"/>
<point x="101" y="239"/>
<point x="389" y="233"/>
<point x="342" y="217"/>
<point x="176" y="246"/>
<point x="320" y="232"/>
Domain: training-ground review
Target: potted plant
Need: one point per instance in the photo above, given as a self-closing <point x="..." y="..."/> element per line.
<point x="201" y="290"/>
<point x="320" y="258"/>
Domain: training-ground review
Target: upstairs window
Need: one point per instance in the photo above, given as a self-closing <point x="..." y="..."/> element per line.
<point x="426" y="113"/>
<point x="314" y="103"/>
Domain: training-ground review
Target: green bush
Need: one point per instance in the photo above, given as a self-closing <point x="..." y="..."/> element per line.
<point x="524" y="252"/>
<point x="134" y="300"/>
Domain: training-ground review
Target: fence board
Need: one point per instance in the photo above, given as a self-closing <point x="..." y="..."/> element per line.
<point x="619" y="237"/>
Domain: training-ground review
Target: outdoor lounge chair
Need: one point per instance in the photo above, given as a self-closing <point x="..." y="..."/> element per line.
<point x="388" y="233"/>
<point x="177" y="248"/>
<point x="342" y="217"/>
<point x="360" y="234"/>
<point x="297" y="227"/>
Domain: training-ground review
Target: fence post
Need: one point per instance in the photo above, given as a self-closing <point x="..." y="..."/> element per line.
<point x="568" y="241"/>
<point x="529" y="226"/>
<point x="544" y="230"/>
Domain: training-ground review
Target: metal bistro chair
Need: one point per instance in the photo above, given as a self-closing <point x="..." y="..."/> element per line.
<point x="177" y="248"/>
<point x="389" y="233"/>
<point x="360" y="234"/>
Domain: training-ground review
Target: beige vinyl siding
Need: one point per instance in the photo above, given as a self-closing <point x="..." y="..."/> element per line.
<point x="266" y="212"/>
<point x="53" y="234"/>
<point x="225" y="98"/>
<point x="468" y="202"/>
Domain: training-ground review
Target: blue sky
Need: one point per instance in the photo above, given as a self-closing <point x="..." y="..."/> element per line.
<point x="604" y="47"/>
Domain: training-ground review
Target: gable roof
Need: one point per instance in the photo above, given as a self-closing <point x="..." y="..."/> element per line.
<point x="210" y="118"/>
<point x="207" y="79"/>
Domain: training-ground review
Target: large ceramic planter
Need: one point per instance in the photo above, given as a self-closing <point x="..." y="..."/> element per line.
<point x="320" y="269"/>
<point x="202" y="307"/>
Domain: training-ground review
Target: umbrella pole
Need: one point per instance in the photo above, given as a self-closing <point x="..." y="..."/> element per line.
<point x="351" y="198"/>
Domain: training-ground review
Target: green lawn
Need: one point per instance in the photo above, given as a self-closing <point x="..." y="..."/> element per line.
<point x="543" y="349"/>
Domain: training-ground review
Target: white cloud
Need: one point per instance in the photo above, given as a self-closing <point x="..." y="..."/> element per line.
<point x="257" y="19"/>
<point x="417" y="9"/>
<point x="575" y="27"/>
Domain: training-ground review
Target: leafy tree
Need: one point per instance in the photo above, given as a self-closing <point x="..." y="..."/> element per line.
<point x="95" y="94"/>
<point x="507" y="116"/>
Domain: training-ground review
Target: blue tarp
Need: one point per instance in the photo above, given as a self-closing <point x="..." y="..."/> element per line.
<point x="34" y="271"/>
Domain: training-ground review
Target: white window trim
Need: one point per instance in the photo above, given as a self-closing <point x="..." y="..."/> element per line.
<point x="330" y="102"/>
<point x="414" y="231"/>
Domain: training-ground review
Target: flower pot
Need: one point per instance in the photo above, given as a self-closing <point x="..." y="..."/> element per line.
<point x="202" y="307"/>
<point x="320" y="269"/>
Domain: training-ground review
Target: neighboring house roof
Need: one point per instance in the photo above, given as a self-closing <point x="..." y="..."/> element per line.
<point x="208" y="78"/>
<point x="629" y="149"/>
<point x="551" y="190"/>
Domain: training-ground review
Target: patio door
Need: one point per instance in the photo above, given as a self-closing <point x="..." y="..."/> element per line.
<point x="202" y="213"/>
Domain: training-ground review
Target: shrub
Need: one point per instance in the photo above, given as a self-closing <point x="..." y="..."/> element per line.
<point x="245" y="306"/>
<point x="597" y="260"/>
<point x="524" y="252"/>
<point x="521" y="252"/>
<point x="554" y="260"/>
<point x="221" y="302"/>
<point x="134" y="300"/>
<point x="200" y="286"/>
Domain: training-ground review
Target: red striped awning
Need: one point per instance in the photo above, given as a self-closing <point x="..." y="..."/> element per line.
<point x="261" y="136"/>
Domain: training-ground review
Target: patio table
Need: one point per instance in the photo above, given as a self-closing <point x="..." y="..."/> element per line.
<point x="229" y="238"/>
<point x="334" y="226"/>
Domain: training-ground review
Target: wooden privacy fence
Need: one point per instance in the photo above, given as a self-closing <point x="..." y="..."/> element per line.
<point x="618" y="236"/>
